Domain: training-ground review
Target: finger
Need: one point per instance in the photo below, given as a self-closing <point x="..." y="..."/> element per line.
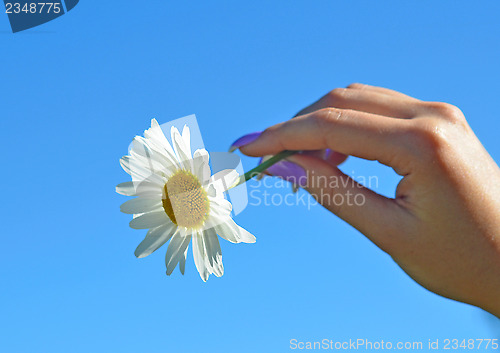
<point x="335" y="158"/>
<point x="369" y="101"/>
<point x="348" y="132"/>
<point x="382" y="90"/>
<point x="377" y="217"/>
<point x="332" y="157"/>
<point x="287" y="169"/>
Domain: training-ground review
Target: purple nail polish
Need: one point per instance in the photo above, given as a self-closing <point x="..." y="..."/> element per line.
<point x="244" y="140"/>
<point x="290" y="172"/>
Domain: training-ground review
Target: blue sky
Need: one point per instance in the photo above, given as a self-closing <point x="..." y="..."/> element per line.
<point x="76" y="90"/>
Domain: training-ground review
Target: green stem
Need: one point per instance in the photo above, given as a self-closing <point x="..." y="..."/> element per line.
<point x="263" y="166"/>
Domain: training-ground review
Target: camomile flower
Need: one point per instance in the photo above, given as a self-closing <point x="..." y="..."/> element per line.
<point x="177" y="199"/>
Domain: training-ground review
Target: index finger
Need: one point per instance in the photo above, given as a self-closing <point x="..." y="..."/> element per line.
<point x="350" y="132"/>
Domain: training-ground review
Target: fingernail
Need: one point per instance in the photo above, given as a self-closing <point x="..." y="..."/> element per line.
<point x="244" y="140"/>
<point x="290" y="172"/>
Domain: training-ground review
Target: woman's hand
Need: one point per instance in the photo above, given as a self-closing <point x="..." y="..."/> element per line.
<point x="443" y="225"/>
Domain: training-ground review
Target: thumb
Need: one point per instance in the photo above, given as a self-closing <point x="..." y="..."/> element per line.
<point x="379" y="218"/>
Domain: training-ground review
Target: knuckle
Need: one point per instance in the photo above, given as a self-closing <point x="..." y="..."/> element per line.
<point x="428" y="137"/>
<point x="356" y="85"/>
<point x="337" y="94"/>
<point x="446" y="111"/>
<point x="327" y="116"/>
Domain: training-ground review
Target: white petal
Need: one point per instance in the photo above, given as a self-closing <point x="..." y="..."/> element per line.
<point x="211" y="191"/>
<point x="144" y="188"/>
<point x="154" y="239"/>
<point x="232" y="232"/>
<point x="220" y="205"/>
<point x="150" y="220"/>
<point x="182" y="261"/>
<point x="136" y="169"/>
<point x="186" y="137"/>
<point x="142" y="150"/>
<point x="224" y="179"/>
<point x="152" y="162"/>
<point x="246" y="236"/>
<point x="157" y="139"/>
<point x="215" y="219"/>
<point x="214" y="252"/>
<point x="148" y="191"/>
<point x="127" y="188"/>
<point x="156" y="179"/>
<point x="141" y="205"/>
<point x="230" y="176"/>
<point x="199" y="256"/>
<point x="183" y="153"/>
<point x="175" y="251"/>
<point x="201" y="166"/>
<point x="228" y="231"/>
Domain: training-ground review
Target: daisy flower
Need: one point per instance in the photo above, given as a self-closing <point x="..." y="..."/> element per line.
<point x="177" y="199"/>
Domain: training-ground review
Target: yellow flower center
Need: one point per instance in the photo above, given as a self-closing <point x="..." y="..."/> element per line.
<point x="185" y="201"/>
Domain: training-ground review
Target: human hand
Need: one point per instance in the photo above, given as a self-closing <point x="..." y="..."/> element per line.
<point x="443" y="225"/>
